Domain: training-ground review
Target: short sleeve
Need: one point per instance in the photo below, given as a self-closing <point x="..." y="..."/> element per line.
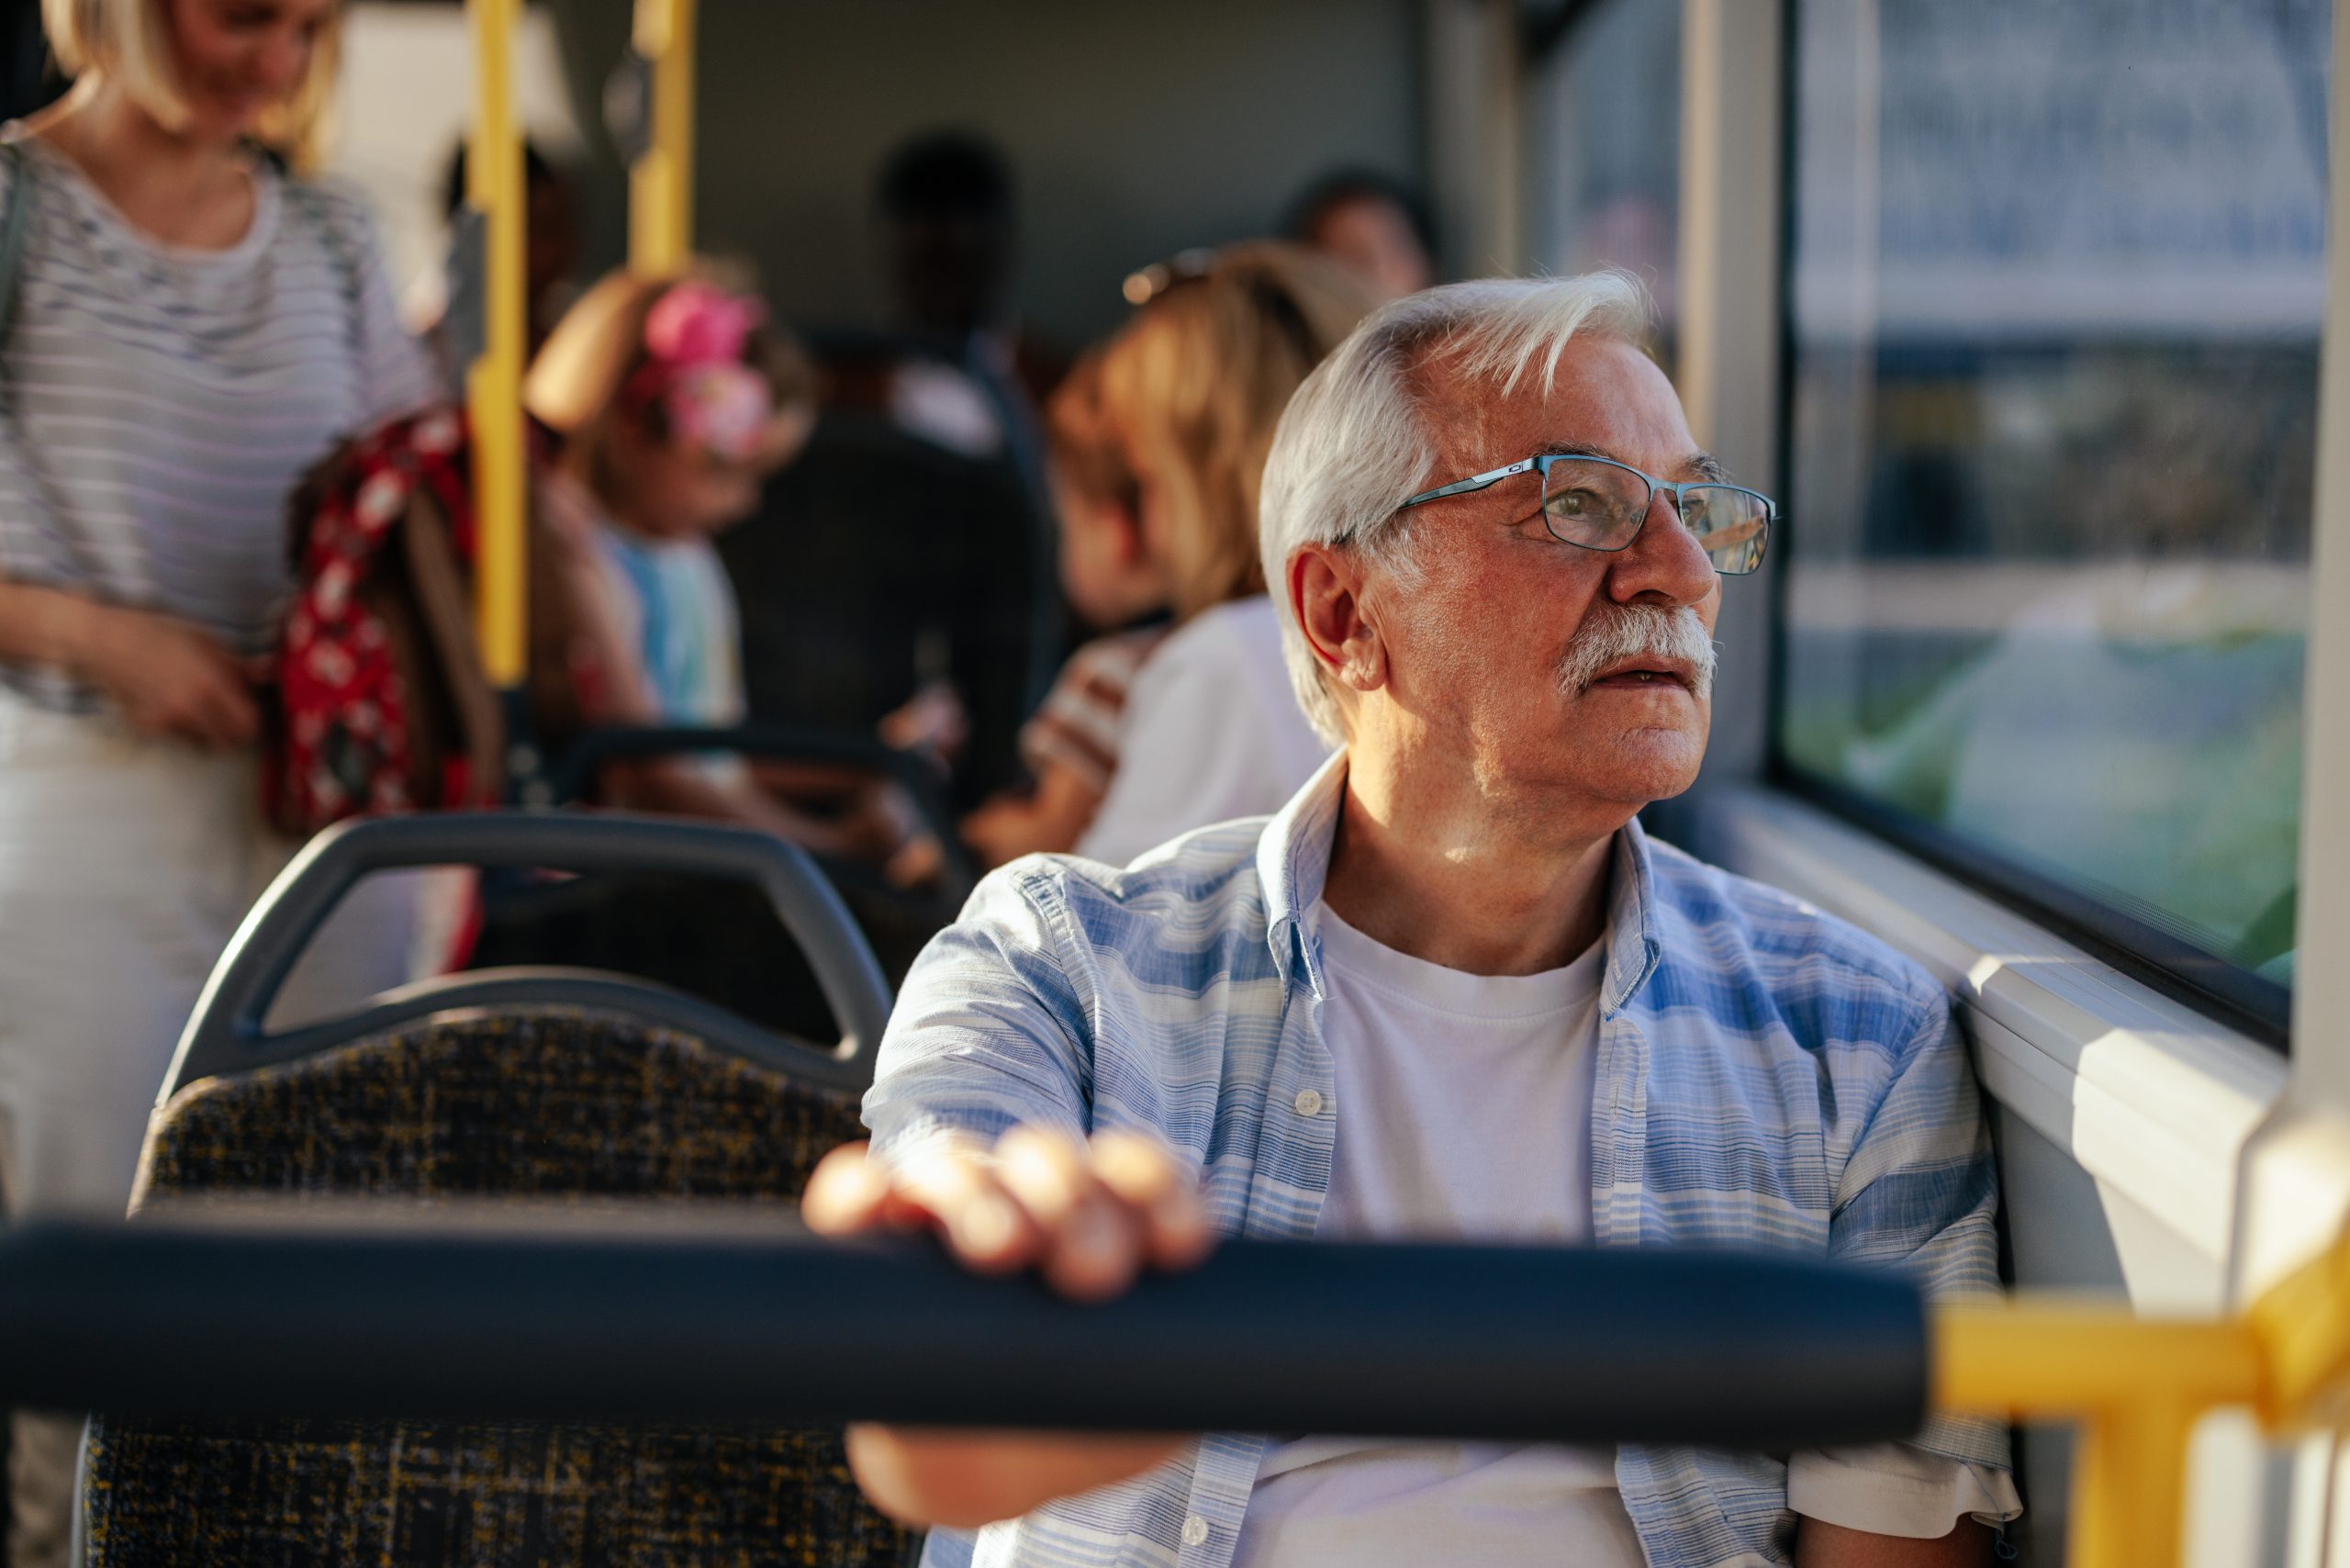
<point x="1920" y="1195"/>
<point x="395" y="375"/>
<point x="1197" y="746"/>
<point x="1078" y="723"/>
<point x="1895" y="1489"/>
<point x="990" y="1031"/>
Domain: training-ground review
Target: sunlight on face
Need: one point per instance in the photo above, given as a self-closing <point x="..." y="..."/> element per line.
<point x="1476" y="649"/>
<point x="237" y="59"/>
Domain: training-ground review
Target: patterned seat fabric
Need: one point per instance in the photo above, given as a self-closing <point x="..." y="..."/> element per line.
<point x="553" y="1103"/>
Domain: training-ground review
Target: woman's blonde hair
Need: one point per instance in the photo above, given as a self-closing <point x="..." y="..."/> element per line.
<point x="575" y="382"/>
<point x="129" y="43"/>
<point x="1189" y="390"/>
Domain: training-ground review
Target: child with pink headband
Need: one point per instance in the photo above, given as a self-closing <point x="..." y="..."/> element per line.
<point x="675" y="398"/>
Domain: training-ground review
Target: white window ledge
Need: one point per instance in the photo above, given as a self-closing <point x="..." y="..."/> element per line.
<point x="2152" y="1098"/>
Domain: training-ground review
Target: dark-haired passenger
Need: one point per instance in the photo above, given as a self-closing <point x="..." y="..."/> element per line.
<point x="554" y="244"/>
<point x="1372" y="226"/>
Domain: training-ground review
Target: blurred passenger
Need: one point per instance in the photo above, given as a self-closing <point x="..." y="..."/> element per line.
<point x="1372" y="227"/>
<point x="192" y="329"/>
<point x="963" y="376"/>
<point x="948" y="232"/>
<point x="1116" y="584"/>
<point x="675" y="398"/>
<point x="1450" y="990"/>
<point x="1192" y="388"/>
<point x="554" y="244"/>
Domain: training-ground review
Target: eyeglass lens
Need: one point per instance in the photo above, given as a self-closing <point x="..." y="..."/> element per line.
<point x="1601" y="506"/>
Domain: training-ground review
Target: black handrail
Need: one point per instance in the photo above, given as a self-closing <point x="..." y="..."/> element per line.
<point x="220" y="1318"/>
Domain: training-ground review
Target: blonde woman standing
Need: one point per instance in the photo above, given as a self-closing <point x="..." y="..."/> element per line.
<point x="190" y="330"/>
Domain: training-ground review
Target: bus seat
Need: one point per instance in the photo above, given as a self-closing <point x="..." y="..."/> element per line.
<point x="706" y="931"/>
<point x="554" y="1102"/>
<point x="575" y="1103"/>
<point x="947" y="544"/>
<point x="602" y="1089"/>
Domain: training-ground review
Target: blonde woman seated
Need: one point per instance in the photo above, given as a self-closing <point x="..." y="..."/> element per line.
<point x="1158" y="446"/>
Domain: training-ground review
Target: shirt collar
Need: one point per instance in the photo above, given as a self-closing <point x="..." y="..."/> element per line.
<point x="1293" y="861"/>
<point x="1633" y="949"/>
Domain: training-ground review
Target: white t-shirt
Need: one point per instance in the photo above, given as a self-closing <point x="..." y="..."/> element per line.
<point x="1463" y="1112"/>
<point x="1212" y="731"/>
<point x="1463" y="1107"/>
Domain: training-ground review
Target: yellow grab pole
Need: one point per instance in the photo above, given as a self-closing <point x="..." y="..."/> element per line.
<point x="661" y="185"/>
<point x="2043" y="1357"/>
<point x="2129" y="1500"/>
<point x="494" y="382"/>
<point x="2134" y="1385"/>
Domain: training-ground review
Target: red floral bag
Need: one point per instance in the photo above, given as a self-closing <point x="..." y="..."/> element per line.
<point x="381" y="704"/>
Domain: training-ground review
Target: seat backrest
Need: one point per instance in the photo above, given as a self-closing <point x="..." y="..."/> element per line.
<point x="229" y="1031"/>
<point x="869" y="515"/>
<point x="553" y="1102"/>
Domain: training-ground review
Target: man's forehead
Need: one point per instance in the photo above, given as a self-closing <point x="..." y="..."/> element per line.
<point x="1607" y="398"/>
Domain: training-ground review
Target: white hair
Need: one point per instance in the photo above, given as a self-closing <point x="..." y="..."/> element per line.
<point x="1354" y="441"/>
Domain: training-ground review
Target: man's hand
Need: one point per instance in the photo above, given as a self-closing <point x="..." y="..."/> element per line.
<point x="1088" y="1217"/>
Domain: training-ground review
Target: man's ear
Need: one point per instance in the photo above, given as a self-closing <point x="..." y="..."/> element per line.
<point x="1324" y="588"/>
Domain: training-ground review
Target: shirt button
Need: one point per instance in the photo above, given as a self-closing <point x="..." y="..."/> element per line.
<point x="1309" y="1102"/>
<point x="1195" y="1528"/>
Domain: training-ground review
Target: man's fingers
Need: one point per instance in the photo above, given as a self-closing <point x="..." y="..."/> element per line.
<point x="983" y="1223"/>
<point x="1148" y="1177"/>
<point x="1046" y="1170"/>
<point x="847" y="1193"/>
<point x="1089" y="1217"/>
<point x="1094" y="1242"/>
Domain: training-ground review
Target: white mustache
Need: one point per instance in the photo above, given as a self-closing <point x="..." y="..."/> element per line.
<point x="1612" y="632"/>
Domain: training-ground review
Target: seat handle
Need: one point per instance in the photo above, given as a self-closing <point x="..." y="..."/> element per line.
<point x="227" y="1031"/>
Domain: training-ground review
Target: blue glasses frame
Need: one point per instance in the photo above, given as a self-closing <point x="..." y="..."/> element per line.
<point x="1744" y="554"/>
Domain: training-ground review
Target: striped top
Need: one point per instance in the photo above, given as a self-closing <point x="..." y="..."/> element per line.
<point x="1078" y="723"/>
<point x="158" y="404"/>
<point x="1767" y="1077"/>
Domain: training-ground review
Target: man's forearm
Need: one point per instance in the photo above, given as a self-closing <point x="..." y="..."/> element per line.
<point x="1819" y="1545"/>
<point x="933" y="1476"/>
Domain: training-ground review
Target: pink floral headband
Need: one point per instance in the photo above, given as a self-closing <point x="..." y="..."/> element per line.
<point x="709" y="400"/>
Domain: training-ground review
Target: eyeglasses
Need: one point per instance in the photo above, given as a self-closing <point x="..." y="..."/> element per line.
<point x="1599" y="504"/>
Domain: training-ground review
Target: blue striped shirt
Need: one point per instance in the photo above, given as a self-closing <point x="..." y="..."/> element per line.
<point x="1767" y="1077"/>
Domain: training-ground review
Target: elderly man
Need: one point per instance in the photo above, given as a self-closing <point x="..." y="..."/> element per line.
<point x="1450" y="990"/>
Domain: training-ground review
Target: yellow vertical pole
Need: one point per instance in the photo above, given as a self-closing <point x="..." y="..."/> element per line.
<point x="2130" y="1486"/>
<point x="661" y="185"/>
<point x="494" y="382"/>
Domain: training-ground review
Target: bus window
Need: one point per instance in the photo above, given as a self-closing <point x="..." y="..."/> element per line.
<point x="2055" y="284"/>
<point x="1603" y="116"/>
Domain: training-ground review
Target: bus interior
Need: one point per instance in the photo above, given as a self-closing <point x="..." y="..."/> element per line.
<point x="1921" y="272"/>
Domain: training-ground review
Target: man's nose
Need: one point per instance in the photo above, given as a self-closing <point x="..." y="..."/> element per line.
<point x="1663" y="562"/>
